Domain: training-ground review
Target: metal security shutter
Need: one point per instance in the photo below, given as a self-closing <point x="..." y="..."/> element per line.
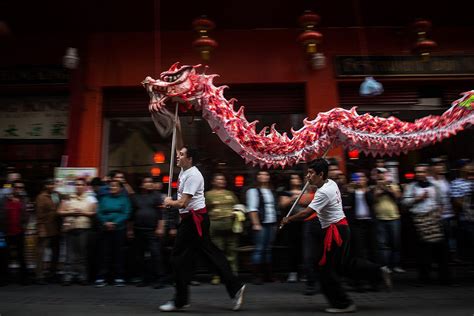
<point x="257" y="98"/>
<point x="125" y="102"/>
<point x="394" y="95"/>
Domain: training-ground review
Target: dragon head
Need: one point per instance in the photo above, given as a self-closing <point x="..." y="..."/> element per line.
<point x="180" y="84"/>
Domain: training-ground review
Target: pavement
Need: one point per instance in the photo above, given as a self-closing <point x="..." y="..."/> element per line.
<point x="277" y="298"/>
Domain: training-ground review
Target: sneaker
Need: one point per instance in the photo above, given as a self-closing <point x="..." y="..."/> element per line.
<point x="387" y="277"/>
<point x="398" y="270"/>
<point x="100" y="283"/>
<point x="238" y="299"/>
<point x="292" y="277"/>
<point x="194" y="283"/>
<point x="119" y="282"/>
<point x="216" y="280"/>
<point x="349" y="309"/>
<point x="170" y="307"/>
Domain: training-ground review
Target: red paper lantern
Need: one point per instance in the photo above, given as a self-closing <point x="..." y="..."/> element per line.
<point x="309" y="18"/>
<point x="423" y="45"/>
<point x="166" y="179"/>
<point x="310" y="38"/>
<point x="204" y="44"/>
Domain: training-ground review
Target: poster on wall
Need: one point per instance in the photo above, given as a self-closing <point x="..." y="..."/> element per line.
<point x="34" y="117"/>
<point x="65" y="177"/>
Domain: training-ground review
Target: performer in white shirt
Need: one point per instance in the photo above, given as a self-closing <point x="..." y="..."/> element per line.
<point x="193" y="236"/>
<point x="334" y="260"/>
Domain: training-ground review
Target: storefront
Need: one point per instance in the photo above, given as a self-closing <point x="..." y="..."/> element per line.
<point x="34" y="119"/>
<point x="413" y="88"/>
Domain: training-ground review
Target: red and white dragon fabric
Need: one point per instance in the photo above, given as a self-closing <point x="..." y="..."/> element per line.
<point x="268" y="148"/>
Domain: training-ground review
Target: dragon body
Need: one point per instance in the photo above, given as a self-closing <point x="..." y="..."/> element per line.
<point x="369" y="134"/>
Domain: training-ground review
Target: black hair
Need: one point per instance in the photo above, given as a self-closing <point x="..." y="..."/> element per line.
<point x="118" y="181"/>
<point x="192" y="153"/>
<point x="320" y="165"/>
<point x="48" y="181"/>
<point x="113" y="173"/>
<point x="96" y="182"/>
<point x="218" y="174"/>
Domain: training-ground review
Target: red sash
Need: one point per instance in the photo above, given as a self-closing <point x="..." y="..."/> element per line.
<point x="332" y="233"/>
<point x="197" y="218"/>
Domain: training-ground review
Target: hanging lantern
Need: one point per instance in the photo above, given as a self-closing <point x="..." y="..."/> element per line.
<point x="423" y="45"/>
<point x="204" y="44"/>
<point x="310" y="38"/>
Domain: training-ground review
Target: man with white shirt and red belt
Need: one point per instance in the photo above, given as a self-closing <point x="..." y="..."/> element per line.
<point x="335" y="259"/>
<point x="193" y="236"/>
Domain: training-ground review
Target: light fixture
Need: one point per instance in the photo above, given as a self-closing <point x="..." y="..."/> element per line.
<point x="159" y="157"/>
<point x="318" y="61"/>
<point x="370" y="87"/>
<point x="71" y="59"/>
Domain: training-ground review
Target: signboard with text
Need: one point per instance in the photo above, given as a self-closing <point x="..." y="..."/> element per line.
<point x="349" y="66"/>
<point x="34" y="117"/>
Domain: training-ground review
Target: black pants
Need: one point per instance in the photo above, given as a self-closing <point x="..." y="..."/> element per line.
<point x="52" y="242"/>
<point x="187" y="246"/>
<point x="312" y="239"/>
<point x="146" y="239"/>
<point x="339" y="263"/>
<point x="17" y="242"/>
<point x="363" y="242"/>
<point x="295" y="236"/>
<point x="112" y="253"/>
<point x="437" y="251"/>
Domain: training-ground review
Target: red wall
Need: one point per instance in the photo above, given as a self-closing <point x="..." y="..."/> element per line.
<point x="125" y="59"/>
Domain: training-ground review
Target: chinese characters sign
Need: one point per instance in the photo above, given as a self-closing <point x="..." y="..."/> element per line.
<point x="347" y="66"/>
<point x="33" y="117"/>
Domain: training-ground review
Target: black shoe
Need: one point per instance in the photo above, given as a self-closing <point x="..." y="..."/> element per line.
<point x="158" y="286"/>
<point x="310" y="291"/>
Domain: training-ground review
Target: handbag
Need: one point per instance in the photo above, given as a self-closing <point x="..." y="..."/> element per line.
<point x="428" y="227"/>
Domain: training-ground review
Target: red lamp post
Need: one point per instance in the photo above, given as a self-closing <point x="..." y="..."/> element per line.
<point x="204" y="44"/>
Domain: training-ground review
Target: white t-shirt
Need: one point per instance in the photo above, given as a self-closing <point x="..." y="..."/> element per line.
<point x="327" y="202"/>
<point x="361" y="208"/>
<point x="191" y="182"/>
